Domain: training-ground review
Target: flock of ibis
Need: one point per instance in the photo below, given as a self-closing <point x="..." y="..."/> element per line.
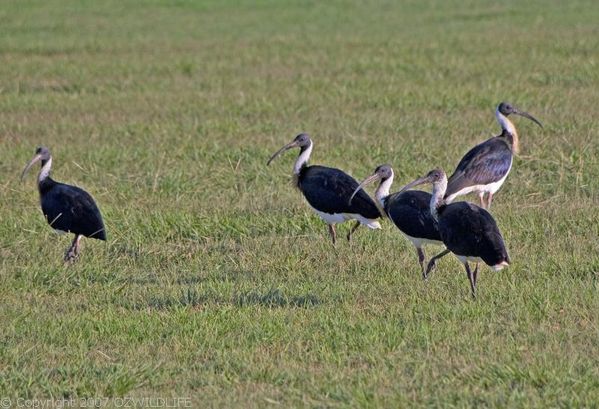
<point x="466" y="230"/>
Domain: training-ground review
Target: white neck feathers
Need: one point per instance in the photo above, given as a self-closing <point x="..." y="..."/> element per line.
<point x="383" y="190"/>
<point x="45" y="171"/>
<point x="439" y="189"/>
<point x="506" y="124"/>
<point x="302" y="159"/>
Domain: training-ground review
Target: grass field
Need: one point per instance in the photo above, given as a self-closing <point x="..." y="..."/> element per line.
<point x="217" y="282"/>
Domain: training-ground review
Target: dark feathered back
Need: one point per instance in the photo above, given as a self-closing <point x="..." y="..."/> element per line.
<point x="410" y="212"/>
<point x="71" y="209"/>
<point x="328" y="190"/>
<point x="468" y="230"/>
<point x="486" y="163"/>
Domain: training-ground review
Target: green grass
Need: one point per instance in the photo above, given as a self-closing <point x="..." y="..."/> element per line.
<point x="217" y="282"/>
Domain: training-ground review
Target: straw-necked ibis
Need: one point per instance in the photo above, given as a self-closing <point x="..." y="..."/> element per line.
<point x="486" y="166"/>
<point x="409" y="211"/>
<point x="68" y="209"/>
<point x="328" y="190"/>
<point x="468" y="231"/>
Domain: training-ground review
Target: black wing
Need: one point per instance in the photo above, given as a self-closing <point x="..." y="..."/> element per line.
<point x="328" y="190"/>
<point x="410" y="211"/>
<point x="486" y="163"/>
<point x="72" y="209"/>
<point x="468" y="230"/>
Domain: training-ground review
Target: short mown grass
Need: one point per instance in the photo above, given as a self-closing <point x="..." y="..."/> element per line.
<point x="217" y="282"/>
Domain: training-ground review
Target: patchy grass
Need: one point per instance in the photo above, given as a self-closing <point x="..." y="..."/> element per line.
<point x="217" y="282"/>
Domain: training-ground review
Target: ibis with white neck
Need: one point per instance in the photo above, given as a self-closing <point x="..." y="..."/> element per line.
<point x="409" y="211"/>
<point x="468" y="231"/>
<point x="68" y="209"/>
<point x="328" y="190"/>
<point x="486" y="166"/>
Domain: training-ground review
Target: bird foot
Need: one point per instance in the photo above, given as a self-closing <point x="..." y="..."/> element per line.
<point x="71" y="255"/>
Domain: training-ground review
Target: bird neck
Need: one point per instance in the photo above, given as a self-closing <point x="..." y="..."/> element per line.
<point x="302" y="159"/>
<point x="508" y="126"/>
<point x="437" y="200"/>
<point x="382" y="192"/>
<point x="45" y="170"/>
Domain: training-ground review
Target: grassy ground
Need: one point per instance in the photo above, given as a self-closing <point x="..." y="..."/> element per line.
<point x="217" y="282"/>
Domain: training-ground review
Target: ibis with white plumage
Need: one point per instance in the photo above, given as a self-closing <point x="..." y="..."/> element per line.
<point x="486" y="166"/>
<point x="409" y="211"/>
<point x="328" y="190"/>
<point x="67" y="209"/>
<point x="468" y="231"/>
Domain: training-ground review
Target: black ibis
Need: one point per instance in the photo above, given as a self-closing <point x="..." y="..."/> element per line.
<point x="468" y="231"/>
<point x="328" y="190"/>
<point x="409" y="211"/>
<point x="486" y="166"/>
<point x="68" y="209"/>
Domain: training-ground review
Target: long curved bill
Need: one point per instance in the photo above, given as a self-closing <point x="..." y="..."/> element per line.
<point x="290" y="145"/>
<point x="419" y="181"/>
<point x="529" y="116"/>
<point x="372" y="178"/>
<point x="33" y="161"/>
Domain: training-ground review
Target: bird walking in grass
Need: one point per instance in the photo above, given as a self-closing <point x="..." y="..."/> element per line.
<point x="68" y="209"/>
<point x="486" y="166"/>
<point x="468" y="231"/>
<point x="328" y="190"/>
<point x="409" y="211"/>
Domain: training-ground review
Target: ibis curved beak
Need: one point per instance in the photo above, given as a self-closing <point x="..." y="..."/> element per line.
<point x="290" y="145"/>
<point x="419" y="181"/>
<point x="33" y="161"/>
<point x="529" y="116"/>
<point x="372" y="178"/>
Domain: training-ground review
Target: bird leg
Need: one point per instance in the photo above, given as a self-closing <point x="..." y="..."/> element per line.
<point x="489" y="200"/>
<point x="73" y="251"/>
<point x="481" y="196"/>
<point x="421" y="261"/>
<point x="333" y="233"/>
<point x="433" y="262"/>
<point x="352" y="230"/>
<point x="472" y="278"/>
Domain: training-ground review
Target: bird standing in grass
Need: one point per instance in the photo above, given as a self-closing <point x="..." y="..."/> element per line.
<point x="409" y="211"/>
<point x="68" y="209"/>
<point x="486" y="166"/>
<point x="328" y="190"/>
<point x="467" y="230"/>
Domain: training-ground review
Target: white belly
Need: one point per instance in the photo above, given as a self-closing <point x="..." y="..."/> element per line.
<point x="496" y="267"/>
<point x="489" y="188"/>
<point x="465" y="259"/>
<point x="341" y="217"/>
<point x="418" y="242"/>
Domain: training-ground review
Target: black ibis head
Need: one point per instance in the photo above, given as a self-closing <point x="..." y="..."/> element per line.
<point x="301" y="141"/>
<point x="505" y="108"/>
<point x="436" y="177"/>
<point x="41" y="154"/>
<point x="381" y="173"/>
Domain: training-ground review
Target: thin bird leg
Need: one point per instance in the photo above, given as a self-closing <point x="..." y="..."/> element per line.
<point x="352" y="230"/>
<point x="421" y="261"/>
<point x="481" y="196"/>
<point x="489" y="200"/>
<point x="475" y="274"/>
<point x="73" y="251"/>
<point x="333" y="233"/>
<point x="471" y="279"/>
<point x="433" y="262"/>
